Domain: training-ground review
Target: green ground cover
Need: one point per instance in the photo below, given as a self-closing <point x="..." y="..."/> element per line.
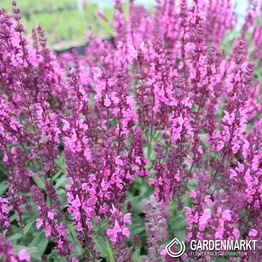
<point x="64" y="24"/>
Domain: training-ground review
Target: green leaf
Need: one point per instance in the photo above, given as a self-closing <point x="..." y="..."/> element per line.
<point x="191" y="185"/>
<point x="179" y="223"/>
<point x="61" y="182"/>
<point x="100" y="246"/>
<point x="172" y="207"/>
<point x="57" y="258"/>
<point x="137" y="203"/>
<point x="40" y="242"/>
<point x="61" y="164"/>
<point x="137" y="228"/>
<point x="109" y="251"/>
<point x="39" y="182"/>
<point x="180" y="234"/>
<point x="62" y="196"/>
<point x="34" y="254"/>
<point x="13" y="217"/>
<point x="27" y="227"/>
<point x="28" y="216"/>
<point x="78" y="250"/>
<point x="42" y="245"/>
<point x="53" y="256"/>
<point x="37" y="239"/>
<point x="14" y="237"/>
<point x="136" y="255"/>
<point x="17" y="248"/>
<point x="4" y="233"/>
<point x="3" y="187"/>
<point x="57" y="175"/>
<point x="188" y="201"/>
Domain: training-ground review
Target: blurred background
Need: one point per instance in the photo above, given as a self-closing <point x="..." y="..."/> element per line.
<point x="66" y="21"/>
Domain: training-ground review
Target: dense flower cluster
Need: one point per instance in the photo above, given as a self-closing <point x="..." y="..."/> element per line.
<point x="156" y="228"/>
<point x="8" y="255"/>
<point x="161" y="124"/>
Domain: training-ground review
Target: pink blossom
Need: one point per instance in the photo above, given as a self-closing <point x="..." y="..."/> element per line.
<point x="39" y="223"/>
<point x="203" y="219"/>
<point x="112" y="233"/>
<point x="226" y="215"/>
<point x="253" y="233"/>
<point x="23" y="255"/>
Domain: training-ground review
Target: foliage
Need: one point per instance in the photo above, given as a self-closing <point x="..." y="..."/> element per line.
<point x="62" y="21"/>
